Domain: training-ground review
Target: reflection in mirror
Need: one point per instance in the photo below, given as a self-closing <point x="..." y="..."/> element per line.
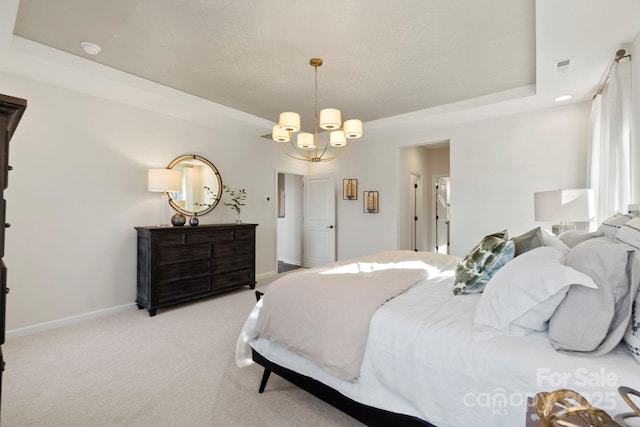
<point x="201" y="185"/>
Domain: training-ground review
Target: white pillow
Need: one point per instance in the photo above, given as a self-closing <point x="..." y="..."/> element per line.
<point x="629" y="232"/>
<point x="552" y="240"/>
<point x="611" y="225"/>
<point x="522" y="296"/>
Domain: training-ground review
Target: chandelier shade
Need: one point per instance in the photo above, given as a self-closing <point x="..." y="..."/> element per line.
<point x="279" y="134"/>
<point x="305" y="140"/>
<point x="353" y="128"/>
<point x="289" y="121"/>
<point x="337" y="139"/>
<point x="307" y="145"/>
<point x="330" y="119"/>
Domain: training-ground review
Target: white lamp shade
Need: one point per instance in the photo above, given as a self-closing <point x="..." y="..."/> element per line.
<point x="289" y="121"/>
<point x="330" y="118"/>
<point x="164" y="180"/>
<point x="337" y="139"/>
<point x="279" y="134"/>
<point x="353" y="128"/>
<point x="305" y="140"/>
<point x="564" y="205"/>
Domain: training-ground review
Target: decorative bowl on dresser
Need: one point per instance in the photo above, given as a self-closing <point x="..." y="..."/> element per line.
<point x="179" y="264"/>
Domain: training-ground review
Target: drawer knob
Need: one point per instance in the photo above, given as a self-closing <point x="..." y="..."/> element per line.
<point x="7" y="225"/>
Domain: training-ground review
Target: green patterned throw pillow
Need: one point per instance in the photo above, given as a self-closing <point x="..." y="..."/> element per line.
<point x="474" y="270"/>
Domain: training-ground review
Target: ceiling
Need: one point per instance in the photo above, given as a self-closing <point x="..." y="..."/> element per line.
<point x="381" y="59"/>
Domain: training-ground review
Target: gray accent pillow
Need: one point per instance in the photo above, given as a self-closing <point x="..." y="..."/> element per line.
<point x="591" y="322"/>
<point x="530" y="240"/>
<point x="478" y="266"/>
<point x="573" y="237"/>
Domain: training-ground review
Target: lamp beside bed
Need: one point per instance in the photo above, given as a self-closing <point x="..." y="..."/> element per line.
<point x="562" y="206"/>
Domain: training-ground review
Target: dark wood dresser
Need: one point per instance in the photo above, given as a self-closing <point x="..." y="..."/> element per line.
<point x="11" y="110"/>
<point x="178" y="264"/>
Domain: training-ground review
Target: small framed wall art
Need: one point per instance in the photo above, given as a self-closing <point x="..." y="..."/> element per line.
<point x="370" y="201"/>
<point x="350" y="189"/>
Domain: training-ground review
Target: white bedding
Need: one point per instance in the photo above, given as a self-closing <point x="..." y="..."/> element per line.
<point x="421" y="360"/>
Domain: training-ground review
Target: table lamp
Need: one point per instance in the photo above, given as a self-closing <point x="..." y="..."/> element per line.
<point x="565" y="207"/>
<point x="164" y="180"/>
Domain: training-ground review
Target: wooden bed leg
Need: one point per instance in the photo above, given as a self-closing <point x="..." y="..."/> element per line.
<point x="265" y="378"/>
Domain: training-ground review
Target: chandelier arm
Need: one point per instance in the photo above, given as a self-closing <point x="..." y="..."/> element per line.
<point x="304" y="154"/>
<point x="324" y="150"/>
<point x="285" y="151"/>
<point x="339" y="153"/>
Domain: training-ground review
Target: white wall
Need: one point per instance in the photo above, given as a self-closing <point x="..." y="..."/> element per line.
<point x="496" y="166"/>
<point x="79" y="187"/>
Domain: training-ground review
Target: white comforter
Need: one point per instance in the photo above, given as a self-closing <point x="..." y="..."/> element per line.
<point x="421" y="360"/>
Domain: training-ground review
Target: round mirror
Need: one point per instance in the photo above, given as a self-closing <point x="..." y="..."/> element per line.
<point x="201" y="185"/>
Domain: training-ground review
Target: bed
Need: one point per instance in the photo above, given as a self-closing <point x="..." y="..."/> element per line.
<point x="429" y="357"/>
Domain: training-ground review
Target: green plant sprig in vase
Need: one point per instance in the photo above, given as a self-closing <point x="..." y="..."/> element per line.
<point x="237" y="198"/>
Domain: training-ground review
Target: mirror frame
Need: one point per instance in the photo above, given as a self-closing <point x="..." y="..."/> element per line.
<point x="175" y="206"/>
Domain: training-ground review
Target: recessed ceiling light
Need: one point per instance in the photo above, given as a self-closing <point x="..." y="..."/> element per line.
<point x="90" y="48"/>
<point x="562" y="98"/>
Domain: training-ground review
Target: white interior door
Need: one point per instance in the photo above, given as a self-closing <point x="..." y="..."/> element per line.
<point x="319" y="220"/>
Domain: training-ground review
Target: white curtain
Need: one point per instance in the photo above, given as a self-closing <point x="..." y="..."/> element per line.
<point x="609" y="167"/>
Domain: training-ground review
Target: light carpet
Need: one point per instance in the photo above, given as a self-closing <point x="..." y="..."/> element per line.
<point x="129" y="369"/>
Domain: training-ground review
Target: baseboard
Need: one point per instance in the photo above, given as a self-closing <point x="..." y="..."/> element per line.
<point x="27" y="330"/>
<point x="266" y="275"/>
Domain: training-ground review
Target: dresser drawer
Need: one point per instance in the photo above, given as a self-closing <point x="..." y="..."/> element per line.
<point x="171" y="239"/>
<point x="230" y="264"/>
<point x="240" y="247"/>
<point x="180" y="289"/>
<point x="227" y="280"/>
<point x="244" y="233"/>
<point x="210" y="236"/>
<point x="183" y="270"/>
<point x="183" y="254"/>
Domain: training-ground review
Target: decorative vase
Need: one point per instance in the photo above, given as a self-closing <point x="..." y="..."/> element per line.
<point x="194" y="221"/>
<point x="178" y="220"/>
<point x="238" y="219"/>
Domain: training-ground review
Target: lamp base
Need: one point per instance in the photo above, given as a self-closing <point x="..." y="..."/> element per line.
<point x="561" y="228"/>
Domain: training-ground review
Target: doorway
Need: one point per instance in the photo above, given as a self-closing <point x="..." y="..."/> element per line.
<point x="442" y="223"/>
<point x="289" y="221"/>
<point x="305" y="228"/>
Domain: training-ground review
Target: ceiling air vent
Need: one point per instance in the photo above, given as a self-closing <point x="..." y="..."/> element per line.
<point x="563" y="65"/>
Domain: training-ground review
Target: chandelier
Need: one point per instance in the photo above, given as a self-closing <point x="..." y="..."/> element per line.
<point x="307" y="146"/>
